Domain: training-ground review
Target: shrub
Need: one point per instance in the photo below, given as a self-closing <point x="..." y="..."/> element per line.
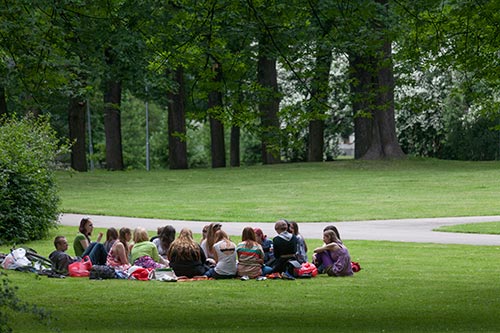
<point x="28" y="196"/>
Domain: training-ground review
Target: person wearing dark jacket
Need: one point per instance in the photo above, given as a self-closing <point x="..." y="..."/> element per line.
<point x="59" y="258"/>
<point x="285" y="246"/>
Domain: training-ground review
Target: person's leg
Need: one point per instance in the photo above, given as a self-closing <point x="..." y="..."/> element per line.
<point x="325" y="258"/>
<point x="210" y="272"/>
<point x="97" y="254"/>
<point x="266" y="270"/>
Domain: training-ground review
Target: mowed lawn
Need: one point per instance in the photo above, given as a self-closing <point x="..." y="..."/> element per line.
<point x="305" y="192"/>
<point x="402" y="287"/>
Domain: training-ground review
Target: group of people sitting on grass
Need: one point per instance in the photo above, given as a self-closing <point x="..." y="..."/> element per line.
<point x="215" y="256"/>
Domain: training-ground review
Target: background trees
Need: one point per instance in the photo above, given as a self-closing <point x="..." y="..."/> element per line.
<point x="279" y="80"/>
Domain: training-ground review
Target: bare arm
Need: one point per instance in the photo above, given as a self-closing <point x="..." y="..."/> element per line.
<point x="121" y="254"/>
<point x="326" y="247"/>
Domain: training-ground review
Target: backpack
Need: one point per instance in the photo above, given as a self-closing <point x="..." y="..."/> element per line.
<point x="102" y="272"/>
<point x="298" y="270"/>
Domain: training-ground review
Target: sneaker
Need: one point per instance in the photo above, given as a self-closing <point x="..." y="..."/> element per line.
<point x="287" y="276"/>
<point x="244" y="278"/>
<point x="261" y="278"/>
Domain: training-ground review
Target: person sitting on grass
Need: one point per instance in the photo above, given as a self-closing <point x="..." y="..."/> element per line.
<point x="166" y="237"/>
<point x="301" y="242"/>
<point x="208" y="244"/>
<point x="225" y="257"/>
<point x="118" y="254"/>
<point x="59" y="258"/>
<point x="186" y="256"/>
<point x="250" y="256"/>
<point x="144" y="253"/>
<point x="267" y="246"/>
<point x="111" y="237"/>
<point x="285" y="246"/>
<point x="333" y="256"/>
<point x="83" y="246"/>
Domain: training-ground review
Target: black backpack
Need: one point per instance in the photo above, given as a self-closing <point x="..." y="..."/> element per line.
<point x="102" y="272"/>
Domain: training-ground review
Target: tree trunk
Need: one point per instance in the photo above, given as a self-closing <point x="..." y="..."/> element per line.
<point x="177" y="146"/>
<point x="384" y="141"/>
<point x="373" y="100"/>
<point x="362" y="87"/>
<point x="76" y="124"/>
<point x="267" y="77"/>
<point x="319" y="103"/>
<point x="3" y="102"/>
<point x="235" y="146"/>
<point x="112" y="118"/>
<point x="217" y="143"/>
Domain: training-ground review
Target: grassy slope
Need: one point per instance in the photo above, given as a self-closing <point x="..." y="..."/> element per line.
<point x="335" y="191"/>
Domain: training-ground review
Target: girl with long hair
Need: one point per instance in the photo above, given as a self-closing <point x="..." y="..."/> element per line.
<point x="118" y="254"/>
<point x="333" y="256"/>
<point x="186" y="256"/>
<point x="250" y="256"/>
<point x="225" y="257"/>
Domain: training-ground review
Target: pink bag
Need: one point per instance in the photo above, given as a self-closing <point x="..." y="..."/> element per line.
<point x="80" y="268"/>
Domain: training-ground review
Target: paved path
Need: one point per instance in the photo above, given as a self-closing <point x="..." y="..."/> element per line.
<point x="405" y="230"/>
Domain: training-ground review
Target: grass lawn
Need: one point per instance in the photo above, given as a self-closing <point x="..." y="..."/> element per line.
<point x="402" y="286"/>
<point x="334" y="191"/>
<point x="473" y="228"/>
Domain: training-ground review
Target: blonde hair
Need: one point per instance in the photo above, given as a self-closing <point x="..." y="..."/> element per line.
<point x="185" y="247"/>
<point x="140" y="235"/>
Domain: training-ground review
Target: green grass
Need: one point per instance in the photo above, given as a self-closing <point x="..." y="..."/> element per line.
<point x="334" y="191"/>
<point x="473" y="228"/>
<point x="402" y="286"/>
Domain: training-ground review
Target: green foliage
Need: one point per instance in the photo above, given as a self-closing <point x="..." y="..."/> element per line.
<point x="475" y="140"/>
<point x="28" y="193"/>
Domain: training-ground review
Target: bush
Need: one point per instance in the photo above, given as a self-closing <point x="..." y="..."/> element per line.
<point x="28" y="196"/>
<point x="476" y="140"/>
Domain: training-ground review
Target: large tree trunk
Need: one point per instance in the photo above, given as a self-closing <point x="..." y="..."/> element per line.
<point x="76" y="124"/>
<point x="267" y="77"/>
<point x="218" y="148"/>
<point x="112" y="118"/>
<point x="376" y="100"/>
<point x="362" y="100"/>
<point x="112" y="126"/>
<point x="3" y="102"/>
<point x="384" y="141"/>
<point x="177" y="146"/>
<point x="319" y="103"/>
<point x="235" y="146"/>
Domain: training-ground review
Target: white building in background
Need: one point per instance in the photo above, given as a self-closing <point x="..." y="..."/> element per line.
<point x="346" y="145"/>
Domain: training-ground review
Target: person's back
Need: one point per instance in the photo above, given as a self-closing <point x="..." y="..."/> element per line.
<point x="186" y="256"/>
<point x="225" y="251"/>
<point x="145" y="248"/>
<point x="284" y="245"/>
